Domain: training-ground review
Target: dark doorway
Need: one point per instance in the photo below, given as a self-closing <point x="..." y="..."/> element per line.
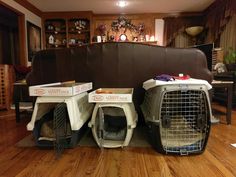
<point x="9" y="37"/>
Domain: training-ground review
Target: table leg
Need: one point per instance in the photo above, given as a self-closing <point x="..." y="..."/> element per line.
<point x="229" y="104"/>
<point x="17" y="111"/>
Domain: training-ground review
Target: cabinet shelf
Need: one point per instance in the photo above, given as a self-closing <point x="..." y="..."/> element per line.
<point x="76" y="45"/>
<point x="79" y="32"/>
<point x="56" y="45"/>
<point x="55" y="32"/>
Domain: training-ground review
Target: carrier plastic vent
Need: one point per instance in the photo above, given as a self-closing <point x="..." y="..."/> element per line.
<point x="184" y="117"/>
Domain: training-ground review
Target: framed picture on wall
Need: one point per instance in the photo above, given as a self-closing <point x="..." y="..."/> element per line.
<point x="33" y="39"/>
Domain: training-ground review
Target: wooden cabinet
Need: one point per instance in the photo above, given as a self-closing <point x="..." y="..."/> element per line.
<point x="78" y="32"/>
<point x="55" y="33"/>
<point x="66" y="29"/>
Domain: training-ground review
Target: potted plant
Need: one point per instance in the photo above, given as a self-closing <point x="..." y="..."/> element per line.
<point x="230" y="59"/>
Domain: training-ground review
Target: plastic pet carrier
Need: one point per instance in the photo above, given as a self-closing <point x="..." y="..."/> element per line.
<point x="59" y="121"/>
<point x="178" y="117"/>
<point x="112" y="124"/>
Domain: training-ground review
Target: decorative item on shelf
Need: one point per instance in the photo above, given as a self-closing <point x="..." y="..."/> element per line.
<point x="140" y="28"/>
<point x="72" y="41"/>
<point x="152" y="38"/>
<point x="80" y="24"/>
<point x="104" y="38"/>
<point x="51" y="39"/>
<point x="102" y="29"/>
<point x="57" y="29"/>
<point x="135" y="39"/>
<point x="99" y="38"/>
<point x="123" y="38"/>
<point x="122" y="24"/>
<point x="64" y="41"/>
<point x="193" y="31"/>
<point x="50" y="27"/>
<point x="111" y="38"/>
<point x="141" y="38"/>
<point x="57" y="42"/>
<point x="147" y="37"/>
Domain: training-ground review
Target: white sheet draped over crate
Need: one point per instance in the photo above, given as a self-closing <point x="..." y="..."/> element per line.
<point x="78" y="108"/>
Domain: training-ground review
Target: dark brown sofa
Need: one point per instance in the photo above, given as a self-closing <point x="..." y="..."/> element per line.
<point x="116" y="65"/>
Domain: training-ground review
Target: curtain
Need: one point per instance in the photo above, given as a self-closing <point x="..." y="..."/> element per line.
<point x="217" y="16"/>
<point x="228" y="36"/>
<point x="174" y="26"/>
<point x="214" y="19"/>
<point x="182" y="40"/>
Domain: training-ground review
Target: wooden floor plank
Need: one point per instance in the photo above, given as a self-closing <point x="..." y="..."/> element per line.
<point x="219" y="159"/>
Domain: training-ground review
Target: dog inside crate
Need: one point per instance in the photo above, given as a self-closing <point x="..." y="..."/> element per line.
<point x="47" y="126"/>
<point x="185" y="131"/>
<point x="180" y="133"/>
<point x="111" y="123"/>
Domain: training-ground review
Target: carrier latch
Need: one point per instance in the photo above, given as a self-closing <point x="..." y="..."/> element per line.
<point x="201" y="121"/>
<point x="166" y="121"/>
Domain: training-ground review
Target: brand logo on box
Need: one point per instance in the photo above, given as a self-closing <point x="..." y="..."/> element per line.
<point x="39" y="92"/>
<point x="97" y="97"/>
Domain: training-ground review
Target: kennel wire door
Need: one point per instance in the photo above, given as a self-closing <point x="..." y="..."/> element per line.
<point x="64" y="114"/>
<point x="112" y="124"/>
<point x="178" y="117"/>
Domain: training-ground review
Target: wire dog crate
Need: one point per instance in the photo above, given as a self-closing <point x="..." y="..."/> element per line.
<point x="178" y="118"/>
<point x="60" y="121"/>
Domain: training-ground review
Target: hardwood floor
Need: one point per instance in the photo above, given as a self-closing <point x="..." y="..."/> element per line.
<point x="219" y="158"/>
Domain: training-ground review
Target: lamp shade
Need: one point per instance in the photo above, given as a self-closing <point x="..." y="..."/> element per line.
<point x="194" y="30"/>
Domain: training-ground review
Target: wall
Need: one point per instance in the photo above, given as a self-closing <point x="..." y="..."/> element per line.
<point x="147" y="19"/>
<point x="29" y="16"/>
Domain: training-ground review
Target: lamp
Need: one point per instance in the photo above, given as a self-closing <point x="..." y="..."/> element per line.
<point x="193" y="31"/>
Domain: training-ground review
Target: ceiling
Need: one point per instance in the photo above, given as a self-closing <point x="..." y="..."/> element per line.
<point x="134" y="6"/>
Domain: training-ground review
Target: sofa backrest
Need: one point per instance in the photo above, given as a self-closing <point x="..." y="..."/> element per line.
<point x="116" y="65"/>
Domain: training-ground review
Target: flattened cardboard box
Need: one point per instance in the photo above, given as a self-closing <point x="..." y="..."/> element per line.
<point x="59" y="89"/>
<point x="111" y="95"/>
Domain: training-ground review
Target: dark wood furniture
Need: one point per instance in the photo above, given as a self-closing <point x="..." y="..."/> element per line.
<point x="228" y="85"/>
<point x="69" y="29"/>
<point x="21" y="94"/>
<point x="220" y="94"/>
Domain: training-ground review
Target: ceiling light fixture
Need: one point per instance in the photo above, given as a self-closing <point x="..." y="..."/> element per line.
<point x="122" y="4"/>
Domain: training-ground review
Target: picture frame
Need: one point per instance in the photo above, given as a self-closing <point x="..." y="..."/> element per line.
<point x="33" y="39"/>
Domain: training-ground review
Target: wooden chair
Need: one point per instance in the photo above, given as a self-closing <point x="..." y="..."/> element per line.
<point x="6" y="86"/>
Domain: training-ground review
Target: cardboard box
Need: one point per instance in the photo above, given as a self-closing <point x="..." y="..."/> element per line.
<point x="111" y="95"/>
<point x="60" y="89"/>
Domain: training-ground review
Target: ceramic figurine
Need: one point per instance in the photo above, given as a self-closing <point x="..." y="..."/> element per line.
<point x="51" y="39"/>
